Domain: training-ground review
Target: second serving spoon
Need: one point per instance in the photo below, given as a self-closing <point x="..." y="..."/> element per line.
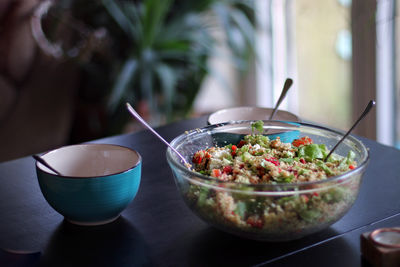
<point x="286" y="87"/>
<point x="370" y="105"/>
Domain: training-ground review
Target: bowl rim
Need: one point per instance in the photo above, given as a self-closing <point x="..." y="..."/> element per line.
<point x="205" y="178"/>
<point x="248" y="108"/>
<point x="137" y="163"/>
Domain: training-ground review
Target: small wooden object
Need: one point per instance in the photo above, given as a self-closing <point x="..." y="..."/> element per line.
<point x="381" y="247"/>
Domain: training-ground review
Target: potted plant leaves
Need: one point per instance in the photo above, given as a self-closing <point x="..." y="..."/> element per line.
<point x="152" y="53"/>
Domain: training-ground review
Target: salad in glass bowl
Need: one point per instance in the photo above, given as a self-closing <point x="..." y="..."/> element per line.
<point x="268" y="180"/>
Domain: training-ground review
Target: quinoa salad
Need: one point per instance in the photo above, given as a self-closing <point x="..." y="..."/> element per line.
<point x="257" y="159"/>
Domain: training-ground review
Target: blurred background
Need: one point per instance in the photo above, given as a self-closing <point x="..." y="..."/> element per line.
<point x="67" y="67"/>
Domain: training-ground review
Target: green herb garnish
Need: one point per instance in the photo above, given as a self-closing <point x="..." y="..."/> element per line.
<point x="258" y="125"/>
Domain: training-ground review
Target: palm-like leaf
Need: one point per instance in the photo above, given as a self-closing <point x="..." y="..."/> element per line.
<point x="122" y="82"/>
<point x="126" y="24"/>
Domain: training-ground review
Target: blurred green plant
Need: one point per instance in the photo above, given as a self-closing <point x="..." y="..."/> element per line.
<point x="158" y="50"/>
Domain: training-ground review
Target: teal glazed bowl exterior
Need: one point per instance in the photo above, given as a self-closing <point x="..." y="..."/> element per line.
<point x="98" y="181"/>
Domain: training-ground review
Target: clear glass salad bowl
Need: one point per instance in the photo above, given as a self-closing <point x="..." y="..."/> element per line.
<point x="270" y="212"/>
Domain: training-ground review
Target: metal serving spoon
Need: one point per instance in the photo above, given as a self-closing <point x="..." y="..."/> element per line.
<point x="370" y="105"/>
<point x="142" y="121"/>
<point x="41" y="160"/>
<point x="286" y="87"/>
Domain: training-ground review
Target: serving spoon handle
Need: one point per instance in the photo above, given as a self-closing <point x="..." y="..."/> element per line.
<point x="286" y="87"/>
<point x="142" y="121"/>
<point x="370" y="105"/>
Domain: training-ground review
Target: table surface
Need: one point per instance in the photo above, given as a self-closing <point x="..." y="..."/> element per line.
<point x="158" y="229"/>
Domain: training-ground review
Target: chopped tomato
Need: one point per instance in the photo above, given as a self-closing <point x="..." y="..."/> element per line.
<point x="234" y="148"/>
<point x="241" y="143"/>
<point x="227" y="169"/>
<point x="273" y="160"/>
<point x="302" y="161"/>
<point x="200" y="155"/>
<point x="302" y="141"/>
<point x="197" y="159"/>
<point x="255" y="222"/>
<point x="351" y="167"/>
<point x="216" y="172"/>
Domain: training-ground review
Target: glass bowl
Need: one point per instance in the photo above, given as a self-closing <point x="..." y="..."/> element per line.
<point x="270" y="212"/>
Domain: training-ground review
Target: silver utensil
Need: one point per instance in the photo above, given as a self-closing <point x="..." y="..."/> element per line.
<point x="41" y="160"/>
<point x="142" y="121"/>
<point x="286" y="87"/>
<point x="370" y="105"/>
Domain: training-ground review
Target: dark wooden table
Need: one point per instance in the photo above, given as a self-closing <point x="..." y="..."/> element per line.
<point x="157" y="229"/>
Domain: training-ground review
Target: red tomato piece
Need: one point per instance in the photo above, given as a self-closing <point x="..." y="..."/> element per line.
<point x="273" y="160"/>
<point x="216" y="172"/>
<point x="255" y="222"/>
<point x="227" y="169"/>
<point x="241" y="143"/>
<point x="302" y="141"/>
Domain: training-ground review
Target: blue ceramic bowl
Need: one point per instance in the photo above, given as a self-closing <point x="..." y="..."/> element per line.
<point x="98" y="181"/>
<point x="229" y="115"/>
<point x="249" y="113"/>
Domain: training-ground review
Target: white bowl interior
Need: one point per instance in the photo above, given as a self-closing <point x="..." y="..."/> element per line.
<point x="90" y="160"/>
<point x="249" y="113"/>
